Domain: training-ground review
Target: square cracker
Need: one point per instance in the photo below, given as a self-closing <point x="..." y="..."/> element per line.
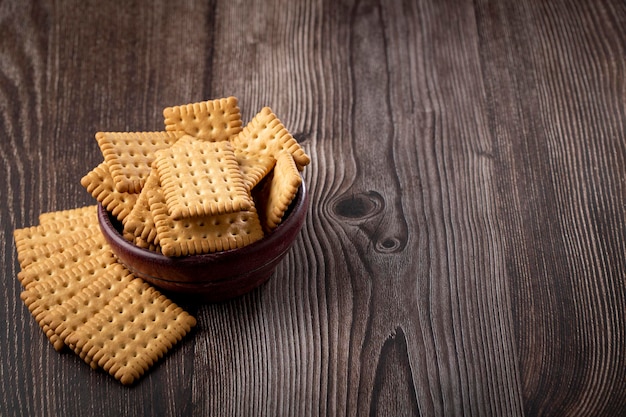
<point x="132" y="332"/>
<point x="40" y="250"/>
<point x="78" y="252"/>
<point x="129" y="155"/>
<point x="54" y="235"/>
<point x="213" y="120"/>
<point x="201" y="178"/>
<point x="202" y="234"/>
<point x="139" y="225"/>
<point x="32" y="236"/>
<point x="99" y="183"/>
<point x="44" y="295"/>
<point x="67" y="317"/>
<point x="254" y="167"/>
<point x="87" y="213"/>
<point x="278" y="191"/>
<point x="266" y="135"/>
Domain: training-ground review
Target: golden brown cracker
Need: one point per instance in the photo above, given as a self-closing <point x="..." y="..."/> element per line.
<point x="266" y="135"/>
<point x="86" y="213"/>
<point x="132" y="332"/>
<point x="203" y="234"/>
<point x="145" y="244"/>
<point x="280" y="189"/>
<point x="65" y="318"/>
<point x="129" y="155"/>
<point x="33" y="236"/>
<point x="140" y="222"/>
<point x="213" y="120"/>
<point x="201" y="178"/>
<point x="99" y="183"/>
<point x="253" y="167"/>
<point x="36" y="248"/>
<point x="43" y="295"/>
<point x="78" y="252"/>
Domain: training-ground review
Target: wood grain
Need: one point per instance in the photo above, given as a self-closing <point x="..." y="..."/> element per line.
<point x="464" y="249"/>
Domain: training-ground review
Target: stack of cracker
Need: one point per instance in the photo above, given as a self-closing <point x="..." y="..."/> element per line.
<point x="204" y="184"/>
<point x="84" y="299"/>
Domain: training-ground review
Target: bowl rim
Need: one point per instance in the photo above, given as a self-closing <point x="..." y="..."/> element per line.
<point x="298" y="204"/>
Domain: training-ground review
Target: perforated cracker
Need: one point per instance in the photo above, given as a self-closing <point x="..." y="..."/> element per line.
<point x="99" y="183"/>
<point x="253" y="167"/>
<point x="201" y="178"/>
<point x="154" y="247"/>
<point x="279" y="190"/>
<point x="132" y="332"/>
<point x="28" y="238"/>
<point x="129" y="155"/>
<point x="213" y="120"/>
<point x="266" y="135"/>
<point x="67" y="317"/>
<point x="79" y="252"/>
<point x="36" y="243"/>
<point x="41" y="296"/>
<point x="87" y="214"/>
<point x="203" y="234"/>
<point x="139" y="226"/>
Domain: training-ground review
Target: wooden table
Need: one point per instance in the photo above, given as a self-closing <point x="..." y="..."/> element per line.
<point x="464" y="251"/>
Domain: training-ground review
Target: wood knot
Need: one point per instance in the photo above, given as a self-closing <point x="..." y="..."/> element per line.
<point x="383" y="224"/>
<point x="357" y="207"/>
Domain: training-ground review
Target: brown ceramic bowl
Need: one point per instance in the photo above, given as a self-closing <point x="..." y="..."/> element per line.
<point x="212" y="277"/>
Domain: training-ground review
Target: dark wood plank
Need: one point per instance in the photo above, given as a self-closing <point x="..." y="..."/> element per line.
<point x="560" y="138"/>
<point x="464" y="249"/>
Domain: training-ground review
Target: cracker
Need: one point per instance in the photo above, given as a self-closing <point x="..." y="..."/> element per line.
<point x="43" y="295"/>
<point x="132" y="332"/>
<point x="99" y="183"/>
<point x="36" y="243"/>
<point x="201" y="178"/>
<point x="139" y="225"/>
<point x="145" y="244"/>
<point x="266" y="135"/>
<point x="41" y="252"/>
<point x="78" y="252"/>
<point x="279" y="191"/>
<point x="50" y="237"/>
<point x="253" y="167"/>
<point x="67" y="317"/>
<point x="213" y="120"/>
<point x="202" y="234"/>
<point x="30" y="237"/>
<point x="86" y="213"/>
<point x="129" y="155"/>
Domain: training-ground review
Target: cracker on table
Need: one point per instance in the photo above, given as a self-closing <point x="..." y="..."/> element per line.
<point x="43" y="295"/>
<point x="202" y="234"/>
<point x="56" y="233"/>
<point x="132" y="332"/>
<point x="129" y="155"/>
<point x="86" y="213"/>
<point x="99" y="183"/>
<point x="39" y="249"/>
<point x="201" y="178"/>
<point x="67" y="317"/>
<point x="78" y="252"/>
<point x="266" y="135"/>
<point x="213" y="120"/>
<point x="30" y="237"/>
